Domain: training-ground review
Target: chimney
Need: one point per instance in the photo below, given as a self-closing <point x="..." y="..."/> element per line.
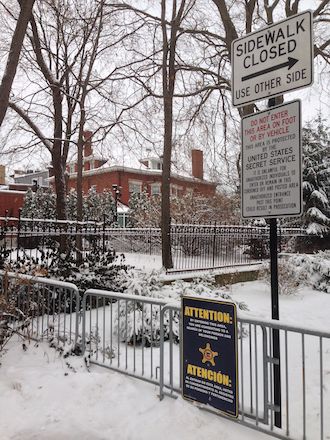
<point x="88" y="150"/>
<point x="2" y="175"/>
<point x="197" y="164"/>
<point x="50" y="171"/>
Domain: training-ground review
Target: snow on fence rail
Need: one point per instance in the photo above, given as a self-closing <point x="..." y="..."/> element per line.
<point x="194" y="247"/>
<point x="41" y="307"/>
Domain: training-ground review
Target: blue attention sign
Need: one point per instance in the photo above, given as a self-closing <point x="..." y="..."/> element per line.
<point x="209" y="364"/>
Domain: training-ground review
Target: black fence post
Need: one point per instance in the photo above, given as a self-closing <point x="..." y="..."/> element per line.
<point x="18" y="233"/>
<point x="103" y="234"/>
<point x="5" y="230"/>
<point x="214" y="241"/>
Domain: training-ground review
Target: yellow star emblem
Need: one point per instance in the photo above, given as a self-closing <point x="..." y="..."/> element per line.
<point x="208" y="354"/>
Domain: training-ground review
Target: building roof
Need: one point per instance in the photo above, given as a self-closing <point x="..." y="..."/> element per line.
<point x="121" y="208"/>
<point x="6" y="190"/>
<point x="89" y="158"/>
<point x="149" y="172"/>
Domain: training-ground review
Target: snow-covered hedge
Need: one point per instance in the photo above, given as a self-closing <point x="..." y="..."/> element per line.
<point x="98" y="270"/>
<point x="314" y="269"/>
<point x="299" y="270"/>
<point x="146" y="322"/>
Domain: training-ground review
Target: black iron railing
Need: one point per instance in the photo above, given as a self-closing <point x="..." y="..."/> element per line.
<point x="193" y="246"/>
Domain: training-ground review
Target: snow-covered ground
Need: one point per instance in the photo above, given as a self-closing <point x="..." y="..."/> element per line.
<point x="144" y="261"/>
<point x="306" y="307"/>
<point x="149" y="262"/>
<point x="43" y="396"/>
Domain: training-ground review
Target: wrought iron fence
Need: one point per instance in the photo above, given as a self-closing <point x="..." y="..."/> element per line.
<point x="41" y="240"/>
<point x="134" y="240"/>
<point x="193" y="247"/>
<point x="203" y="247"/>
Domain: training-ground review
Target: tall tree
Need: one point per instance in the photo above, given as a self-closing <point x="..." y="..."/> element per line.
<point x="316" y="177"/>
<point x="178" y="76"/>
<point x="168" y="77"/>
<point x="70" y="45"/>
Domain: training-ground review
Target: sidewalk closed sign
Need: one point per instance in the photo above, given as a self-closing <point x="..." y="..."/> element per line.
<point x="209" y="350"/>
<point x="273" y="61"/>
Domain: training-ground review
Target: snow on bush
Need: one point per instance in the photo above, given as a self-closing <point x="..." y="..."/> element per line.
<point x="316" y="173"/>
<point x="98" y="270"/>
<point x="303" y="269"/>
<point x="314" y="269"/>
<point x="144" y="327"/>
<point x="98" y="206"/>
<point x="289" y="279"/>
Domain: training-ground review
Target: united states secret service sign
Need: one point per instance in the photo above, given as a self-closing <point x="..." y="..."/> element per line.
<point x="209" y="350"/>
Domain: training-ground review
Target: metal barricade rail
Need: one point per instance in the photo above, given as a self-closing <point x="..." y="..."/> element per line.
<point x="121" y="332"/>
<point x="139" y="336"/>
<point x="49" y="307"/>
<point x="305" y="353"/>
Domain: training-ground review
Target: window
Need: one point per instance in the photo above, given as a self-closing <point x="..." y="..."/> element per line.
<point x="122" y="219"/>
<point x="176" y="190"/>
<point x="135" y="186"/>
<point x="155" y="164"/>
<point x="155" y="189"/>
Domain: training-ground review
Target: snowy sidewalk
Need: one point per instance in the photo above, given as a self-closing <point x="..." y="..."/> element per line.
<point x="44" y="399"/>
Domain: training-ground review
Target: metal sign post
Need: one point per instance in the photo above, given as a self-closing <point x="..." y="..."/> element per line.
<point x="266" y="64"/>
<point x="275" y="311"/>
<point x="272" y="187"/>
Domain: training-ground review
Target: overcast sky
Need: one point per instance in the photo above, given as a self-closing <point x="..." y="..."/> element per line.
<point x="314" y="99"/>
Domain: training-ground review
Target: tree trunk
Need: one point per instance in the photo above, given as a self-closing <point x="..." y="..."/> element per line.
<point x="79" y="187"/>
<point x="57" y="154"/>
<point x="59" y="182"/>
<point x="166" y="178"/>
<point x="14" y="54"/>
<point x="168" y="78"/>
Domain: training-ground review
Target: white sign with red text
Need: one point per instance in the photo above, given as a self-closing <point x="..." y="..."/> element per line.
<point x="271" y="183"/>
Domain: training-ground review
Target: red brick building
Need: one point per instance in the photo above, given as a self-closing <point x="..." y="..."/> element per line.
<point x="10" y="202"/>
<point x="12" y="195"/>
<point x="131" y="180"/>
